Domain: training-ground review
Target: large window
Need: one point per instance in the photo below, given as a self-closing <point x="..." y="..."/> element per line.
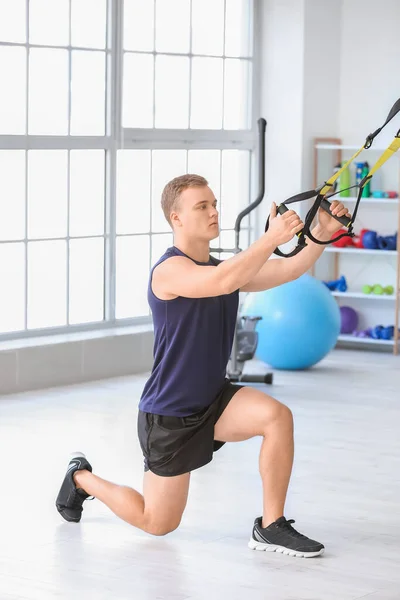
<point x="193" y="63"/>
<point x="102" y="103"/>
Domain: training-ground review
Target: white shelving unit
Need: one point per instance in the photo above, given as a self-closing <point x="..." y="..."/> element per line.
<point x="376" y="201"/>
<point x="390" y="297"/>
<point x="364" y="251"/>
<point x="390" y="302"/>
<point x="356" y="340"/>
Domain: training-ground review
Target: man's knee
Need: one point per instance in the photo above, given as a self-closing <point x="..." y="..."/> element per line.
<point x="287" y="414"/>
<point x="160" y="528"/>
<point x="282" y="416"/>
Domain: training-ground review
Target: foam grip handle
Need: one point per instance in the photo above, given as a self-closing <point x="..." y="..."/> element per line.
<point x="282" y="208"/>
<point x="326" y="206"/>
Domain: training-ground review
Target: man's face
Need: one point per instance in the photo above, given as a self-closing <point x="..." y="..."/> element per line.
<point x="197" y="214"/>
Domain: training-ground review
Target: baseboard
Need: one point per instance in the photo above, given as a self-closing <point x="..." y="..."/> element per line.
<point x="68" y="359"/>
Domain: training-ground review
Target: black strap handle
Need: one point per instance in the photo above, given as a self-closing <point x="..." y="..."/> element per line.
<point x="345" y="221"/>
<point x="320" y="202"/>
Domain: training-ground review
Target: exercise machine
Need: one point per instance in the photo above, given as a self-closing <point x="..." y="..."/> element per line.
<point x="246" y="336"/>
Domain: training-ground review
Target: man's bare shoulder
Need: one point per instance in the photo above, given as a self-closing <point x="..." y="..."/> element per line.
<point x="167" y="269"/>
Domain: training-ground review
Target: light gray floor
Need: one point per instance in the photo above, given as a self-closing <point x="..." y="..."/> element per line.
<point x="345" y="492"/>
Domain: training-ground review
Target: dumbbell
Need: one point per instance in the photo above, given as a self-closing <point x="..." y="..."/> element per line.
<point x="388" y="242"/>
<point x="339" y="285"/>
<point x="382" y="333"/>
<point x="379" y="332"/>
<point x="378" y="289"/>
<point x="345" y="241"/>
<point x="369" y="240"/>
<point x="364" y="333"/>
<point x="357" y="240"/>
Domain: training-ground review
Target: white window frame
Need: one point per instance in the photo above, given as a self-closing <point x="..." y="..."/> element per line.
<point x="119" y="138"/>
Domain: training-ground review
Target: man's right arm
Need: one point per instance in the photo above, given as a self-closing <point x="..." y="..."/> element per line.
<point x="179" y="276"/>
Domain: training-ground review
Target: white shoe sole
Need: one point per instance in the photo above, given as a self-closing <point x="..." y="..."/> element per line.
<point x="253" y="545"/>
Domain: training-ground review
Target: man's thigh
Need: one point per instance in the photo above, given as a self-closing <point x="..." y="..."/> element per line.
<point x="247" y="415"/>
<point x="165" y="499"/>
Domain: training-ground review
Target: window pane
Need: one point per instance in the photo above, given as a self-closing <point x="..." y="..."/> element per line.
<point x="12" y="277"/>
<point x="48" y="92"/>
<point x="138" y="90"/>
<point x="208" y="27"/>
<point x="47" y="284"/>
<point x="167" y="164"/>
<point x="133" y="259"/>
<point x="88" y="23"/>
<point x="159" y="244"/>
<point x="86" y="283"/>
<point x="13" y="92"/>
<point x="236" y="94"/>
<point x="206" y="106"/>
<point x="172" y="92"/>
<point x="13" y="21"/>
<point x="237" y="28"/>
<point x="244" y="237"/>
<point x="49" y="22"/>
<point x="139" y="25"/>
<point x="47" y="193"/>
<point x="207" y="163"/>
<point x="88" y="89"/>
<point x="227" y="240"/>
<point x="86" y="192"/>
<point x="12" y="194"/>
<point x="173" y="26"/>
<point x="235" y="186"/>
<point x="133" y="191"/>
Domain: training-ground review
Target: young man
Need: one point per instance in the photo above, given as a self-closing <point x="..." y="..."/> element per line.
<point x="188" y="408"/>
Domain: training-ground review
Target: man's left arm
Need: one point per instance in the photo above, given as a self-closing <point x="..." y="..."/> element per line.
<point x="281" y="270"/>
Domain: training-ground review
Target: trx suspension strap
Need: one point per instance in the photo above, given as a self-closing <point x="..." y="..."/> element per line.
<point x="321" y="192"/>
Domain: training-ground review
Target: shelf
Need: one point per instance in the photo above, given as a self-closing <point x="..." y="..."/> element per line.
<point x="375" y="259"/>
<point x="321" y="146"/>
<point x="362" y="251"/>
<point x="364" y="296"/>
<point x="358" y="340"/>
<point x="369" y="200"/>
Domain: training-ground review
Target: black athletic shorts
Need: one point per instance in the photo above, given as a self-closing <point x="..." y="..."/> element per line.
<point x="176" y="445"/>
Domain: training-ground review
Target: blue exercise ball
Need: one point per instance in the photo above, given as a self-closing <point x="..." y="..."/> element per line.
<point x="300" y="323"/>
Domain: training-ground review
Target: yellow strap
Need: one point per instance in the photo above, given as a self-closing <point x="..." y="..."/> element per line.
<point x="388" y="153"/>
<point x="331" y="180"/>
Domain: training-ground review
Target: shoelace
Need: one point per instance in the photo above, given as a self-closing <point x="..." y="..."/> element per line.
<point x="79" y="500"/>
<point x="288" y="526"/>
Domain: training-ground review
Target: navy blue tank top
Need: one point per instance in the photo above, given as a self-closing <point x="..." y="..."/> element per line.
<point x="192" y="344"/>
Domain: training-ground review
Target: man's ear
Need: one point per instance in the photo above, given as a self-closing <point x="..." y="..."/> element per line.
<point x="175" y="220"/>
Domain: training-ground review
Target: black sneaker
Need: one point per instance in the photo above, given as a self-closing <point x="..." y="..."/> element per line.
<point x="70" y="499"/>
<point x="280" y="536"/>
